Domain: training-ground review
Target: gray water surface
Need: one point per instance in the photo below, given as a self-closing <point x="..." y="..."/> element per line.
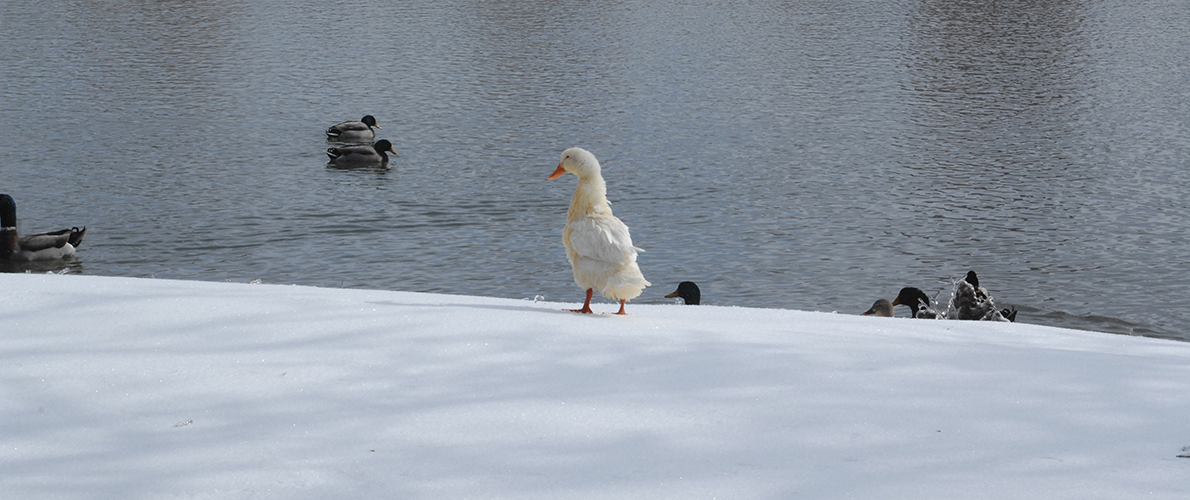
<point x="800" y="154"/>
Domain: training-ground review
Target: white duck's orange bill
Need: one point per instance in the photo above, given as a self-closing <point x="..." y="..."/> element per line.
<point x="557" y="173"/>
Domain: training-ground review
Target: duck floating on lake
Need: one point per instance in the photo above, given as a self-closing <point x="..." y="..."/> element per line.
<point x="689" y="293"/>
<point x="920" y="305"/>
<point x="353" y="130"/>
<point x="42" y="246"/>
<point x="969" y="301"/>
<point x="597" y="243"/>
<point x="882" y="307"/>
<point x="362" y="154"/>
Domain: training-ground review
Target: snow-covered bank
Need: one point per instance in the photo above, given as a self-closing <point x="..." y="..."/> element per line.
<point x="135" y="388"/>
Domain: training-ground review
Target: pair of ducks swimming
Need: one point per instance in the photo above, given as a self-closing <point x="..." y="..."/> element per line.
<point x="968" y="301"/>
<point x="358" y="154"/>
<point x="62" y="243"/>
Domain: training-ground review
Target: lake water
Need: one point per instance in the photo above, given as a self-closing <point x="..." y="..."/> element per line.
<point x="811" y="155"/>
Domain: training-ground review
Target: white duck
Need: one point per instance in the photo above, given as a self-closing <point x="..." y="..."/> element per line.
<point x="597" y="243"/>
<point x="43" y="246"/>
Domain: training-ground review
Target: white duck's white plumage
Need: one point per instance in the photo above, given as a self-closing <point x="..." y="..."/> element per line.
<point x="598" y="244"/>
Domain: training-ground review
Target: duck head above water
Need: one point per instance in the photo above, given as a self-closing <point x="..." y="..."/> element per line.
<point x="689" y="293"/>
<point x="920" y="305"/>
<point x="912" y="297"/>
<point x="882" y="307"/>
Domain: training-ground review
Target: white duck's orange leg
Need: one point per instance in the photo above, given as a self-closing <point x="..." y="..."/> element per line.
<point x="622" y="313"/>
<point x="587" y="305"/>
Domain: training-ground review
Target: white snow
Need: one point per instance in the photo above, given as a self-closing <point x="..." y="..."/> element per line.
<point x="154" y="389"/>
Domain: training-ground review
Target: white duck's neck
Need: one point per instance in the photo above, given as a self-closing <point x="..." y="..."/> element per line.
<point x="590" y="196"/>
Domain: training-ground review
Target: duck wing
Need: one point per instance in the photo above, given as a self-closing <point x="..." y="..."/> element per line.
<point x="42" y="241"/>
<point x="602" y="237"/>
<point x="336" y="153"/>
<point x="340" y="128"/>
<point x="360" y="152"/>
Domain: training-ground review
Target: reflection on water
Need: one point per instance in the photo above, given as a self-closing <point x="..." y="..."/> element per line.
<point x="66" y="266"/>
<point x="809" y="155"/>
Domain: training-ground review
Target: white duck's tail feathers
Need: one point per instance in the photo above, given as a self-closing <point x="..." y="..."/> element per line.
<point x="619" y="281"/>
<point x="625" y="285"/>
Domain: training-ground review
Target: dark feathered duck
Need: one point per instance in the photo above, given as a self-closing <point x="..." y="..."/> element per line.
<point x="920" y="305"/>
<point x="41" y="246"/>
<point x="361" y="154"/>
<point x="969" y="301"/>
<point x="689" y="293"/>
<point x="353" y="130"/>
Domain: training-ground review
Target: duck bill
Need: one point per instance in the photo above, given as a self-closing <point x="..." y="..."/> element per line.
<point x="557" y="173"/>
<point x="672" y="295"/>
<point x="896" y="302"/>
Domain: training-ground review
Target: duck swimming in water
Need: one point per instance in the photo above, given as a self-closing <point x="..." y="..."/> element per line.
<point x="597" y="243"/>
<point x="1009" y="313"/>
<point x="919" y="303"/>
<point x="361" y="154"/>
<point x="969" y="301"/>
<point x="689" y="293"/>
<point x="882" y="307"/>
<point x="42" y="246"/>
<point x="353" y="131"/>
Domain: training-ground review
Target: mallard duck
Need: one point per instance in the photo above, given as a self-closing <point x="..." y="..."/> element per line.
<point x="689" y="293"/>
<point x="1008" y="313"/>
<point x="362" y="154"/>
<point x="969" y="301"/>
<point x="353" y="131"/>
<point x="919" y="303"/>
<point x="598" y="244"/>
<point x="882" y="307"/>
<point x="43" y="246"/>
